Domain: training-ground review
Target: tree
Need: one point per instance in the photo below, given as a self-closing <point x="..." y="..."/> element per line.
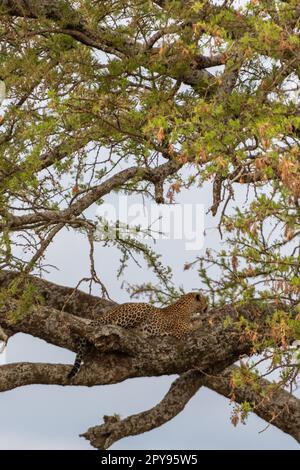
<point x="121" y="96"/>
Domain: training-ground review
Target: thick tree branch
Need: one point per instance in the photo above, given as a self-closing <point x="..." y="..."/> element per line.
<point x="123" y="353"/>
<point x="61" y="298"/>
<point x="114" y="429"/>
<point x="120" y="354"/>
<point x="21" y="374"/>
<point x="281" y="409"/>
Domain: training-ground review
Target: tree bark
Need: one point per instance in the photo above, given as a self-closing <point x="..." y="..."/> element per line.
<point x="203" y="358"/>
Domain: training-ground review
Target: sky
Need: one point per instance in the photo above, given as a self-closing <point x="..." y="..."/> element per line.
<point x="52" y="417"/>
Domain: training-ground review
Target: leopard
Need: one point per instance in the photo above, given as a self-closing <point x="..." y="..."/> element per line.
<point x="173" y="320"/>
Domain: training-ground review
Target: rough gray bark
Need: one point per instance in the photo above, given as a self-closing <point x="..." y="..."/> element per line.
<point x="119" y="354"/>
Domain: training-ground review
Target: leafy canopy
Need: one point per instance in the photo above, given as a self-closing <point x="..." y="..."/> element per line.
<point x="120" y="96"/>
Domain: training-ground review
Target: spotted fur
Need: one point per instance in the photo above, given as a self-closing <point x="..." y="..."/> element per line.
<point x="173" y="320"/>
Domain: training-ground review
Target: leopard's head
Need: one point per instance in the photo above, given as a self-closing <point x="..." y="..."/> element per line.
<point x="195" y="302"/>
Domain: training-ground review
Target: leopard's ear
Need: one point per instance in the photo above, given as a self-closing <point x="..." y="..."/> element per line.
<point x="198" y="297"/>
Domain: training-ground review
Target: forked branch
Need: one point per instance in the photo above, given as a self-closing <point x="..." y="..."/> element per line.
<point x="280" y="409"/>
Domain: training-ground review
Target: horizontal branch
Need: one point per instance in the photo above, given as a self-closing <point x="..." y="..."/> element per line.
<point x="22" y="373"/>
<point x="119" y="354"/>
<point x="61" y="298"/>
<point x="281" y="409"/>
<point x="91" y="196"/>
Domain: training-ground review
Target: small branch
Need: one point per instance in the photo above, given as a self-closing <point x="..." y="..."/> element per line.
<point x="159" y="192"/>
<point x="43" y="246"/>
<point x="217" y="188"/>
<point x="113" y="429"/>
<point x="279" y="408"/>
<point x="3" y="338"/>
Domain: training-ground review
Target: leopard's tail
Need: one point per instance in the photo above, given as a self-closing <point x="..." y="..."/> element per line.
<point x="82" y="347"/>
